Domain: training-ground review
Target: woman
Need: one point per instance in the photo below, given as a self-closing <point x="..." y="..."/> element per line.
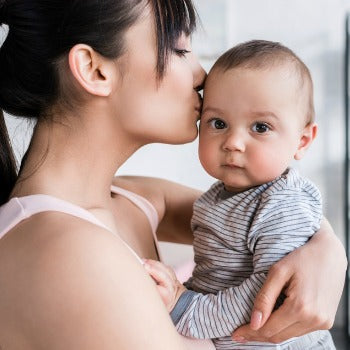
<point x="103" y="78"/>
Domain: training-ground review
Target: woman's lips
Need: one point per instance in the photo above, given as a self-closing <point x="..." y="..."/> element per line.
<point x="198" y="110"/>
<point x="198" y="106"/>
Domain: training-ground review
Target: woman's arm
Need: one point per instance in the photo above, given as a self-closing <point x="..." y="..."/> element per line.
<point x="94" y="294"/>
<point x="313" y="278"/>
<point x="172" y="201"/>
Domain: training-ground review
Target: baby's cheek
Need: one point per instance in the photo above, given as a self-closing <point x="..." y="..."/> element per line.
<point x="209" y="159"/>
<point x="269" y="165"/>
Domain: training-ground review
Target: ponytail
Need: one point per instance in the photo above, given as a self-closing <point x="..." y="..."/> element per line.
<point x="8" y="172"/>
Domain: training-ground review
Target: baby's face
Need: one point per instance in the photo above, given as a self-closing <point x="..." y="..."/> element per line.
<point x="252" y="125"/>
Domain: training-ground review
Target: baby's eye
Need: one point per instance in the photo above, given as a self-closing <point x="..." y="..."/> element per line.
<point x="217" y="123"/>
<point x="260" y="128"/>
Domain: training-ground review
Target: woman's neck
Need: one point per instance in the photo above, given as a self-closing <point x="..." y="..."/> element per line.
<point x="75" y="160"/>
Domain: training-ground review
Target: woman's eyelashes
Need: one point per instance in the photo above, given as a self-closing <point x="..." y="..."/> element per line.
<point x="181" y="52"/>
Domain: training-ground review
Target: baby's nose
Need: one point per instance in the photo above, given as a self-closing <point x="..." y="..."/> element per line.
<point x="234" y="142"/>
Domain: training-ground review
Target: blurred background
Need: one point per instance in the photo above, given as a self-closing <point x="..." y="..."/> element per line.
<point x="315" y="31"/>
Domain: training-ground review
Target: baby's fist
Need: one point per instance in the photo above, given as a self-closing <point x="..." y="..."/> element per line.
<point x="168" y="285"/>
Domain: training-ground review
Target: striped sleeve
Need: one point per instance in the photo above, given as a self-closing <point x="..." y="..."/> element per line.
<point x="285" y="220"/>
<point x="218" y="315"/>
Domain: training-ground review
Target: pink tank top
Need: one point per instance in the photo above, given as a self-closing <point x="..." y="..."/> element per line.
<point x="21" y="208"/>
<point x="18" y="209"/>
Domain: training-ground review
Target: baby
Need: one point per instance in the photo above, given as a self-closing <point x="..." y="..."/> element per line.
<point x="257" y="117"/>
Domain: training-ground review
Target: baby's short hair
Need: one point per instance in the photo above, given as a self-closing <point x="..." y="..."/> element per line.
<point x="261" y="54"/>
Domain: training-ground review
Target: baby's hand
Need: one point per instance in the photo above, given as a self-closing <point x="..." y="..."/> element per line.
<point x="169" y="288"/>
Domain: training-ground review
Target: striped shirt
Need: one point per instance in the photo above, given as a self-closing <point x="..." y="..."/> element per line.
<point x="237" y="238"/>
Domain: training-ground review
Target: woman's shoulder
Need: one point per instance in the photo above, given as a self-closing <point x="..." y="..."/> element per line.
<point x="54" y="241"/>
<point x="74" y="278"/>
<point x="53" y="226"/>
<point x="50" y="231"/>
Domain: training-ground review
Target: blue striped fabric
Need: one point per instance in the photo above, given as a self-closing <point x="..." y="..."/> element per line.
<point x="237" y="238"/>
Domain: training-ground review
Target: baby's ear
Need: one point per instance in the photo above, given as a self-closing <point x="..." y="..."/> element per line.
<point x="307" y="136"/>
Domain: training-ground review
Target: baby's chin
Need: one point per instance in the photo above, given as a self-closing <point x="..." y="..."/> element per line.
<point x="241" y="186"/>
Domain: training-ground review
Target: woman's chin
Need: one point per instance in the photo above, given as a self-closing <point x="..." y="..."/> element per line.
<point x="178" y="137"/>
<point x="190" y="137"/>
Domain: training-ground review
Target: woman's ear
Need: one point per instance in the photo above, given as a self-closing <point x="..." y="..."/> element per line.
<point x="92" y="71"/>
<point x="307" y="136"/>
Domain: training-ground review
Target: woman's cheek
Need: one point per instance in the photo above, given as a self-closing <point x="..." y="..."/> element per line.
<point x="183" y="80"/>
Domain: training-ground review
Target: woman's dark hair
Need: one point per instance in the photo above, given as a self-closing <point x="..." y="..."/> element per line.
<point x="40" y="36"/>
<point x="8" y="172"/>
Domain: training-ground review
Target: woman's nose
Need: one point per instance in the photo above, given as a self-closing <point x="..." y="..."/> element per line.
<point x="234" y="141"/>
<point x="199" y="74"/>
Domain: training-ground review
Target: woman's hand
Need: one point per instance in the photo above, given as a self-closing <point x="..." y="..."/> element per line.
<point x="169" y="288"/>
<point x="312" y="278"/>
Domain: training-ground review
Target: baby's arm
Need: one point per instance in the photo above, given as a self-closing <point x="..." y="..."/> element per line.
<point x="198" y="313"/>
<point x="275" y="232"/>
<point x="169" y="287"/>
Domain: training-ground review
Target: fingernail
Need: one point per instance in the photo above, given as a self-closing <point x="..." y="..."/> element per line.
<point x="255" y="321"/>
<point x="239" y="339"/>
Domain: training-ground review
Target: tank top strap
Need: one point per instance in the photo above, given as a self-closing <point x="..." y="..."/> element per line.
<point x="145" y="205"/>
<point x="21" y="208"/>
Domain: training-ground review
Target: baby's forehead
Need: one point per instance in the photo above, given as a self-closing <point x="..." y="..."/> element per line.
<point x="278" y="75"/>
<point x="287" y="69"/>
<point x="286" y="81"/>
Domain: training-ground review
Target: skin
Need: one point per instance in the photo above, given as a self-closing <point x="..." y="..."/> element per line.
<point x="72" y="275"/>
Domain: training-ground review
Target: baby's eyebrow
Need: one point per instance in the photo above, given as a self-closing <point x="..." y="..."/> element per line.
<point x="264" y="114"/>
<point x="213" y="110"/>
